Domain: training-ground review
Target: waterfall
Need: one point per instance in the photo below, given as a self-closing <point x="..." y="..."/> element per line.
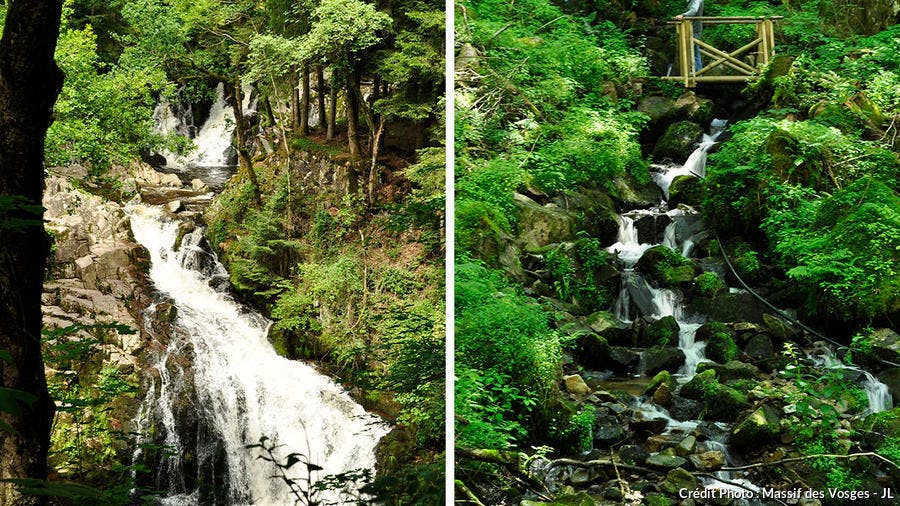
<point x="696" y="162"/>
<point x="877" y="393"/>
<point x="236" y="386"/>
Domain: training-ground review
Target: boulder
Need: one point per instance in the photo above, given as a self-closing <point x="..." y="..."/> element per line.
<point x="686" y="446"/>
<point x="593" y="351"/>
<point x="729" y="307"/>
<point x="757" y="429"/>
<point x="707" y="460"/>
<point x="665" y="462"/>
<point x="632" y="194"/>
<point x="623" y="360"/>
<point x="666" y="267"/>
<point x="725" y="404"/>
<point x="685" y="189"/>
<point x="486" y="233"/>
<point x="658" y="108"/>
<point x="678" y="479"/>
<point x="682" y="408"/>
<point x="760" y="347"/>
<point x="663" y="395"/>
<point x="732" y="370"/>
<point x="595" y="212"/>
<point x="694" y="108"/>
<point x="541" y="225"/>
<point x="660" y="332"/>
<point x="678" y="141"/>
<point x="886" y="345"/>
<point x="575" y="385"/>
<point x="778" y="328"/>
<point x="174" y="206"/>
<point x="651" y="227"/>
<point x="659" y="358"/>
<point x="199" y="186"/>
<point x="891" y="378"/>
<point x="721" y="348"/>
<point x="699" y="385"/>
<point x="661" y="378"/>
<point x="646" y="426"/>
<point x="608" y="434"/>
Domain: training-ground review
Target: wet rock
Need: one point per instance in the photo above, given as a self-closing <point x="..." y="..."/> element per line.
<point x="631" y="194"/>
<point x="665" y="462"/>
<point x="778" y="328"/>
<point x="663" y="395"/>
<point x="886" y="345"/>
<point x="686" y="446"/>
<point x="654" y="360"/>
<point x="174" y="206"/>
<point x="661" y="378"/>
<point x="541" y="225"/>
<point x="721" y="348"/>
<point x="622" y="359"/>
<point x="707" y="460"/>
<point x="685" y="189"/>
<point x="666" y="267"/>
<point x="729" y="307"/>
<point x="166" y="312"/>
<point x="633" y="454"/>
<point x="593" y="351"/>
<point x="199" y="186"/>
<point x="891" y="378"/>
<point x="601" y="321"/>
<point x="678" y="479"/>
<point x="699" y="385"/>
<point x="575" y="385"/>
<point x="732" y="370"/>
<point x="658" y="108"/>
<point x="759" y="428"/>
<point x="608" y="434"/>
<point x="594" y="210"/>
<point x="651" y="227"/>
<point x="760" y="347"/>
<point x="694" y="108"/>
<point x="678" y="141"/>
<point x="648" y="425"/>
<point x="660" y="332"/>
<point x="682" y="408"/>
<point x="394" y="450"/>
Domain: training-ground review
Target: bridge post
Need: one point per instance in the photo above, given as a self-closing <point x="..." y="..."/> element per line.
<point x="684" y="36"/>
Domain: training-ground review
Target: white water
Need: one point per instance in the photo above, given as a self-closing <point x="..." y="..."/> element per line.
<point x="244" y="389"/>
<point x="212" y="140"/>
<point x="696" y="162"/>
<point x="877" y="393"/>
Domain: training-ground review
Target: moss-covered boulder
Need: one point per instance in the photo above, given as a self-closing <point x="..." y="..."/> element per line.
<point x="698" y="386"/>
<point x="678" y="142"/>
<point x="708" y="284"/>
<point x="685" y="189"/>
<point x="879" y="427"/>
<point x="759" y="428"/>
<point x="661" y="378"/>
<point x="594" y="211"/>
<point x="733" y="370"/>
<point x="721" y="348"/>
<point x="660" y="332"/>
<point x="658" y="108"/>
<point x="633" y="194"/>
<point x="666" y="267"/>
<point x="885" y="344"/>
<point x="592" y="351"/>
<point x="659" y="358"/>
<point x="485" y="232"/>
<point x="729" y="307"/>
<point x="540" y="225"/>
<point x="678" y="479"/>
<point x="697" y="109"/>
<point x="725" y="404"/>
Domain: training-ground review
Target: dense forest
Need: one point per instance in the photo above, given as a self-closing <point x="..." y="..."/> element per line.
<point x="225" y="179"/>
<point x="635" y="319"/>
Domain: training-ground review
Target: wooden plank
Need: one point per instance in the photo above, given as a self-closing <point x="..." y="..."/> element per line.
<point x="722" y="60"/>
<point x="712" y="79"/>
<point x="726" y="56"/>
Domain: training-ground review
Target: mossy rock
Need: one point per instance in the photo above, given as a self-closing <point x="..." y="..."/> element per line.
<point x="658" y="108"/>
<point x="678" y="479"/>
<point x="709" y="284"/>
<point x="662" y="377"/>
<point x="721" y="348"/>
<point x="660" y="332"/>
<point x="877" y="427"/>
<point x="678" y="142"/>
<point x="697" y="109"/>
<point x="666" y="267"/>
<point x="699" y="385"/>
<point x="594" y="210"/>
<point x="834" y="115"/>
<point x="759" y="428"/>
<point x="485" y="233"/>
<point x="593" y="351"/>
<point x="733" y="370"/>
<point x="541" y="225"/>
<point x="725" y="404"/>
<point x="685" y="189"/>
<point x="633" y="194"/>
<point x="729" y="307"/>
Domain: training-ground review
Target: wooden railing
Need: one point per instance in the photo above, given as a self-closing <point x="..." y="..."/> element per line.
<point x="736" y="60"/>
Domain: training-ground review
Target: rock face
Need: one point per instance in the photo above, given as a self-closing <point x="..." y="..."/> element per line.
<point x="678" y="141"/>
<point x="541" y="225"/>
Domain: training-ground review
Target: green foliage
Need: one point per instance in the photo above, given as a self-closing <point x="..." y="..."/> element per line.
<point x="578" y="274"/>
<point x="709" y="284"/>
<point x="507" y="360"/>
<point x="342" y="29"/>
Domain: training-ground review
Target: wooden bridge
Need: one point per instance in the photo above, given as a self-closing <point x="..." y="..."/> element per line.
<point x="736" y="61"/>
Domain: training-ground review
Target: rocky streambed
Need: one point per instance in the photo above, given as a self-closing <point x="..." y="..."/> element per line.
<point x="691" y="383"/>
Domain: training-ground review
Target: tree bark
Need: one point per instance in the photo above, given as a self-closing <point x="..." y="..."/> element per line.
<point x="353" y="115"/>
<point x="270" y="114"/>
<point x="30" y="81"/>
<point x="240" y="130"/>
<point x="320" y="97"/>
<point x="295" y="99"/>
<point x="304" y="101"/>
<point x="332" y="110"/>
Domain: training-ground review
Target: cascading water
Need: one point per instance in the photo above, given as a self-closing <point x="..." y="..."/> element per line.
<point x="696" y="162"/>
<point x="220" y="369"/>
<point x="877" y="393"/>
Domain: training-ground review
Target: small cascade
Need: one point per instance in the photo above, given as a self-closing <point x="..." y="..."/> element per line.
<point x="669" y="237"/>
<point x="696" y="162"/>
<point x="877" y="393"/>
<point x="219" y="385"/>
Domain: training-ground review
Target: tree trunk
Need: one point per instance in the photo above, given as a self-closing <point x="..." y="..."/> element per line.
<point x="295" y="99"/>
<point x="320" y="97"/>
<point x="353" y="115"/>
<point x="270" y="114"/>
<point x="304" y="101"/>
<point x="30" y="81"/>
<point x="373" y="169"/>
<point x="332" y="109"/>
<point x="240" y="130"/>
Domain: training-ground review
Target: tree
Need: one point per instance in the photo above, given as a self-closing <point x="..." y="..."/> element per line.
<point x="30" y="82"/>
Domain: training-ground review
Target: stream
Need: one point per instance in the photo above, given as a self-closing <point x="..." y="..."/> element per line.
<point x="218" y="385"/>
<point x="639" y="299"/>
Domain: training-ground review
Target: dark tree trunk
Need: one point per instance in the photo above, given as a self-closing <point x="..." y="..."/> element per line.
<point x="243" y="150"/>
<point x="30" y="81"/>
<point x="320" y="97"/>
<point x="270" y="114"/>
<point x="304" y="101"/>
<point x="353" y="115"/>
<point x="295" y="99"/>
